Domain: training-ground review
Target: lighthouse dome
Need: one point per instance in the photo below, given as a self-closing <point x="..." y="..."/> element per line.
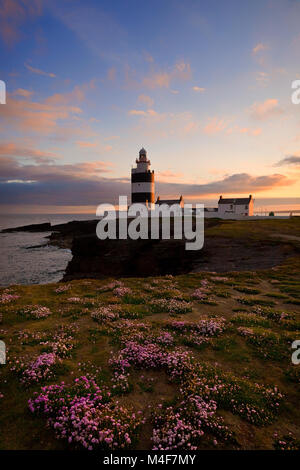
<point x="142" y="152"/>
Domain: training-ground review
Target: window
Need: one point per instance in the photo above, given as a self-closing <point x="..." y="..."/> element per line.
<point x="231" y="206"/>
<point x="246" y="207"/>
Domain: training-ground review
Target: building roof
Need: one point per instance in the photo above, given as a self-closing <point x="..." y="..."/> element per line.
<point x="237" y="201"/>
<point x="168" y="201"/>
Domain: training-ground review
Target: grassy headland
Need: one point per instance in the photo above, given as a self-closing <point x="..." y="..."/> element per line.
<point x="205" y="357"/>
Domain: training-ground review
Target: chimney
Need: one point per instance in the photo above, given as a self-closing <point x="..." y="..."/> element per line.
<point x="250" y="196"/>
<point x="220" y="197"/>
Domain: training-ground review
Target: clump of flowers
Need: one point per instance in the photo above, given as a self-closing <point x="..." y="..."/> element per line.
<point x="35" y="371"/>
<point x="35" y="311"/>
<point x="30" y="337"/>
<point x="275" y="315"/>
<point x="177" y="363"/>
<point x="165" y="338"/>
<point x="255" y="403"/>
<point x="61" y="345"/>
<point x="62" y="288"/>
<point x="85" y="415"/>
<point x="103" y="314"/>
<point x="6" y="297"/>
<point x="128" y="330"/>
<point x="268" y="344"/>
<point x="211" y="327"/>
<point x="120" y="382"/>
<point x="121" y="291"/>
<point x="171" y="306"/>
<point x="205" y="327"/>
<point x="194" y="339"/>
<point x="183" y="427"/>
<point x="199" y="294"/>
<point x="286" y="442"/>
<point x="139" y="355"/>
<point x="75" y="300"/>
<point x="110" y="286"/>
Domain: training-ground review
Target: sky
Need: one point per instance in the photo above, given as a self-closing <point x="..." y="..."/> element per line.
<point x="203" y="85"/>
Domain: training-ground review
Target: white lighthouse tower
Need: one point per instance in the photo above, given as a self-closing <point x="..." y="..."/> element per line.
<point x="142" y="180"/>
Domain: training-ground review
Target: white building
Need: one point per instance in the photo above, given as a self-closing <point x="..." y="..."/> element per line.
<point x="235" y="206"/>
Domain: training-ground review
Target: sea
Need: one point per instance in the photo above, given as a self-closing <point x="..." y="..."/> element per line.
<point x="26" y="258"/>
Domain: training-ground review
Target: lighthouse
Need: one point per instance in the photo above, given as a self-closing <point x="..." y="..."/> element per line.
<point x="142" y="180"/>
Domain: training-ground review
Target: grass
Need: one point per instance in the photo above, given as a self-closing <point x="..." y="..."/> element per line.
<point x="249" y="358"/>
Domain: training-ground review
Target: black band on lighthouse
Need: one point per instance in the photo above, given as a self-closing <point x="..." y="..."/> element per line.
<point x="142" y="177"/>
<point x="142" y="197"/>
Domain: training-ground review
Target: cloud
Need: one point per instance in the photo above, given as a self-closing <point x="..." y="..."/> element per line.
<point x="259" y="48"/>
<point x="12" y="168"/>
<point x="43" y="117"/>
<point x="167" y="175"/>
<point x="217" y="125"/>
<point x="162" y="125"/>
<point x="10" y="149"/>
<point x="39" y="71"/>
<point x="290" y="160"/>
<point x="267" y="109"/>
<point x="145" y="99"/>
<point x="22" y="92"/>
<point x="83" y="144"/>
<point x="162" y="79"/>
<point x="199" y="89"/>
<point x="96" y="146"/>
<point x="13" y="14"/>
<point x="139" y="112"/>
<point x="244" y="130"/>
<point x="239" y="183"/>
<point x="214" y="126"/>
<point x="83" y="184"/>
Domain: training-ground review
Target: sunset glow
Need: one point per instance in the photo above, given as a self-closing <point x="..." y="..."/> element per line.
<point x="209" y="96"/>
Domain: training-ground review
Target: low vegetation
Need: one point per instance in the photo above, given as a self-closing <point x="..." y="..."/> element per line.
<point x="197" y="361"/>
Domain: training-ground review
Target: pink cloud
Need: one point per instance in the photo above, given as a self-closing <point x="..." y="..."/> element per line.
<point x="214" y="126"/>
<point x="162" y="79"/>
<point x="39" y="71"/>
<point x="43" y="117"/>
<point x="10" y="149"/>
<point x="199" y="89"/>
<point x="22" y="92"/>
<point x="83" y="144"/>
<point x="13" y="14"/>
<point x="259" y="48"/>
<point x="267" y="109"/>
<point x="145" y="99"/>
